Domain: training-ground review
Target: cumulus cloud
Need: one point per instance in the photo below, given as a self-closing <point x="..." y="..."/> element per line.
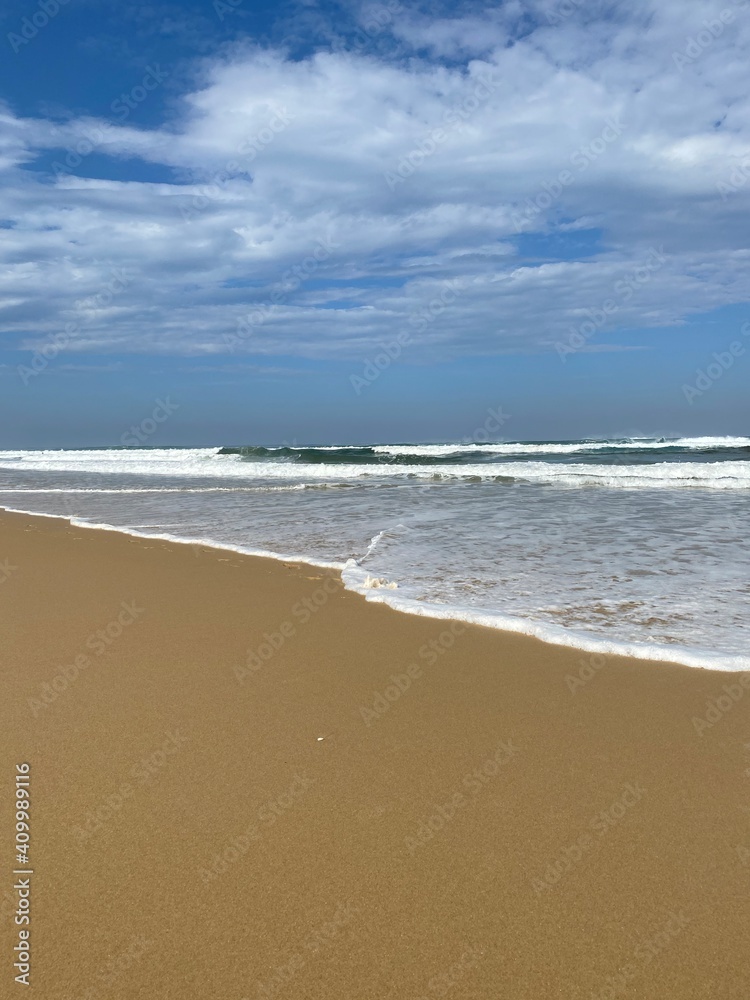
<point x="334" y="197"/>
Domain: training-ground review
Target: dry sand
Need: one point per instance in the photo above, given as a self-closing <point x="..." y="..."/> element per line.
<point x="484" y="833"/>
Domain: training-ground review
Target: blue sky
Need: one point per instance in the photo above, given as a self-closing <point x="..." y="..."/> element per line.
<point x="318" y="222"/>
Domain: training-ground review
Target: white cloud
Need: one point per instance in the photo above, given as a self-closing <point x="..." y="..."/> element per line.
<point x="271" y="156"/>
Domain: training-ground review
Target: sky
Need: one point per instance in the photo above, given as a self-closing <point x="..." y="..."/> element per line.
<point x="342" y="223"/>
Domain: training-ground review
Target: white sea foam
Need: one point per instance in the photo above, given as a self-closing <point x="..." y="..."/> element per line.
<point x="617" y="553"/>
<point x="381" y="590"/>
<point x="563" y="448"/>
<point x="208" y="463"/>
<point x="145" y="461"/>
<point x="356" y="579"/>
<point x="93" y="490"/>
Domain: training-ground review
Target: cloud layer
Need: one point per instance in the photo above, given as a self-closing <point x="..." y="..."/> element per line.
<point x="485" y="182"/>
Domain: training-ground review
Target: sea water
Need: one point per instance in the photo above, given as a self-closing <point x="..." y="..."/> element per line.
<point x="633" y="546"/>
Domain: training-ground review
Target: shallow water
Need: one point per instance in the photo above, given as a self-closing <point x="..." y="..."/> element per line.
<point x="623" y="546"/>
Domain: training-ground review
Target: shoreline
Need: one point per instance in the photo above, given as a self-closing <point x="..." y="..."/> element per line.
<point x="550" y="634"/>
<point x="246" y="782"/>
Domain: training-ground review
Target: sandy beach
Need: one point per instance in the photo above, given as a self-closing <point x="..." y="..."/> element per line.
<point x="246" y="782"/>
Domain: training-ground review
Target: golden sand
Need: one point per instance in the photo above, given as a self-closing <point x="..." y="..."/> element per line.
<point x="362" y="805"/>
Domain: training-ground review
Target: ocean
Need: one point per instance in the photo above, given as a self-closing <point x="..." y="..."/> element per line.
<point x="622" y="546"/>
